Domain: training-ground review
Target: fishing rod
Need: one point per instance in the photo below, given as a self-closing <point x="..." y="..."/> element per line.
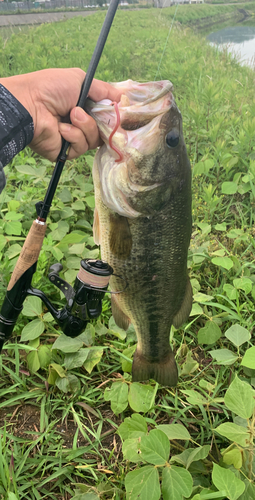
<point x="84" y="300"/>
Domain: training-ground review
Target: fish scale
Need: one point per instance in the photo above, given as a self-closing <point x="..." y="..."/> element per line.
<point x="149" y="250"/>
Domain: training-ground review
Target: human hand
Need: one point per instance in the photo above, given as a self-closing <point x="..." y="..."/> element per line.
<point x="50" y="95"/>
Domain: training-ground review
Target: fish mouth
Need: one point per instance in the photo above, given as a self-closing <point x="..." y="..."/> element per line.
<point x="140" y="104"/>
<point x="129" y="129"/>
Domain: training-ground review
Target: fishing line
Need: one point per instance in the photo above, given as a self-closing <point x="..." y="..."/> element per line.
<point x="169" y="32"/>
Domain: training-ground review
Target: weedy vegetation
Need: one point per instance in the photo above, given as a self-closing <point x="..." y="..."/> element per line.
<point x="73" y="425"/>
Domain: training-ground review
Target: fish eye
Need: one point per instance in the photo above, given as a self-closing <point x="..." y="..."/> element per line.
<point x="172" y="138"/>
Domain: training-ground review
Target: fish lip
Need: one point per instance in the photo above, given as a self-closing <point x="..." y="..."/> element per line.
<point x="159" y="91"/>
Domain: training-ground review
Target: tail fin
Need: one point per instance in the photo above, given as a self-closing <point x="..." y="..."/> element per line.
<point x="164" y="372"/>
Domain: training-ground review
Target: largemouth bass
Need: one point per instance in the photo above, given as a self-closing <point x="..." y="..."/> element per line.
<point x="142" y="220"/>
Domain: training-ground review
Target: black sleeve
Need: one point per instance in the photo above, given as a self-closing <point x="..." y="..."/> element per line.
<point x="16" y="129"/>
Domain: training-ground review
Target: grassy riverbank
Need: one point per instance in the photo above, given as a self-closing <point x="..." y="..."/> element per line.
<point x="62" y="401"/>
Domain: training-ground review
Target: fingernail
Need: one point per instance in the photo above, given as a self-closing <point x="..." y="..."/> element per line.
<point x="65" y="127"/>
<point x="80" y="115"/>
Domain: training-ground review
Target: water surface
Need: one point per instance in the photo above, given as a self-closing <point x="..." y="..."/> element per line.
<point x="239" y="40"/>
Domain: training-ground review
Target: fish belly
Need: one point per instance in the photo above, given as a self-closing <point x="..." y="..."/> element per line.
<point x="150" y="254"/>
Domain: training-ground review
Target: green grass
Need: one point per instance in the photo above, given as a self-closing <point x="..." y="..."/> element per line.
<point x="59" y="438"/>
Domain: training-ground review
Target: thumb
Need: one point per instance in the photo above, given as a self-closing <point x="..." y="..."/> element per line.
<point x="87" y="125"/>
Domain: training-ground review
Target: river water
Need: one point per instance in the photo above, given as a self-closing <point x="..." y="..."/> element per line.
<point x="239" y="40"/>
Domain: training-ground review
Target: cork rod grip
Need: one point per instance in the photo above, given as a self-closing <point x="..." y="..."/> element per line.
<point x="30" y="252"/>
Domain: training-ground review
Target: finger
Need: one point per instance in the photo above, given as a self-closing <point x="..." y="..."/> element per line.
<point x="76" y="138"/>
<point x="87" y="125"/>
<point x="101" y="90"/>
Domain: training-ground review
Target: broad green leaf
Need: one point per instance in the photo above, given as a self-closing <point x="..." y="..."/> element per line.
<point x="70" y="275"/>
<point x="141" y="397"/>
<point x="27" y="170"/>
<point x="74" y="383"/>
<point x="209" y="334"/>
<point x="234" y="433"/>
<point x="133" y="427"/>
<point x="3" y="241"/>
<point x="33" y="362"/>
<point x="59" y="233"/>
<point x="224" y="262"/>
<point x="66" y="212"/>
<point x="67" y="344"/>
<point x="94" y="357"/>
<point x="221" y="227"/>
<point x="238" y="335"/>
<point x="13" y="251"/>
<point x="73" y="262"/>
<point x="13" y="216"/>
<point x="44" y="354"/>
<point x="58" y="369"/>
<point x="118" y="395"/>
<point x="127" y="365"/>
<point x="32" y="307"/>
<point x="189" y="366"/>
<point x="203" y="167"/>
<point x="116" y="330"/>
<point x="195" y="398"/>
<point x="62" y="384"/>
<point x="191" y="455"/>
<point x="202" y="297"/>
<point x="14" y="227"/>
<point x="48" y="318"/>
<point x="224" y="356"/>
<point x="65" y="195"/>
<point x="77" y="249"/>
<point x="244" y="284"/>
<point x="198" y="454"/>
<point x="70" y="239"/>
<point x="131" y="450"/>
<point x="249" y="493"/>
<point x="100" y="328"/>
<point x="196" y="309"/>
<point x="155" y="447"/>
<point x="175" y="431"/>
<point x="90" y="200"/>
<point x="231" y="291"/>
<point x="225" y="479"/>
<point x="13" y="205"/>
<point x="11" y="496"/>
<point x="176" y="483"/>
<point x="239" y="398"/>
<point x="88" y="335"/>
<point x="229" y="187"/>
<point x="233" y="457"/>
<point x="76" y="359"/>
<point x="235" y="233"/>
<point x="78" y="205"/>
<point x="205" y="227"/>
<point x="32" y="330"/>
<point x="143" y="484"/>
<point x="249" y="358"/>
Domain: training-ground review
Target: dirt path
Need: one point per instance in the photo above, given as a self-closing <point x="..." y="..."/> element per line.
<point x="43" y="17"/>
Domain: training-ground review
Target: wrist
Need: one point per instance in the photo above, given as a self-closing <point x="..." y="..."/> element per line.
<point x="19" y="87"/>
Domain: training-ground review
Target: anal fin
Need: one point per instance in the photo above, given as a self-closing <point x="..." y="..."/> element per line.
<point x="164" y="372"/>
<point x="186" y="307"/>
<point x="120" y="317"/>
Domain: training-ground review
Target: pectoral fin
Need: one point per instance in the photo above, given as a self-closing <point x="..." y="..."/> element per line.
<point x="185" y="309"/>
<point x="164" y="372"/>
<point x="120" y="236"/>
<point x="120" y="317"/>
